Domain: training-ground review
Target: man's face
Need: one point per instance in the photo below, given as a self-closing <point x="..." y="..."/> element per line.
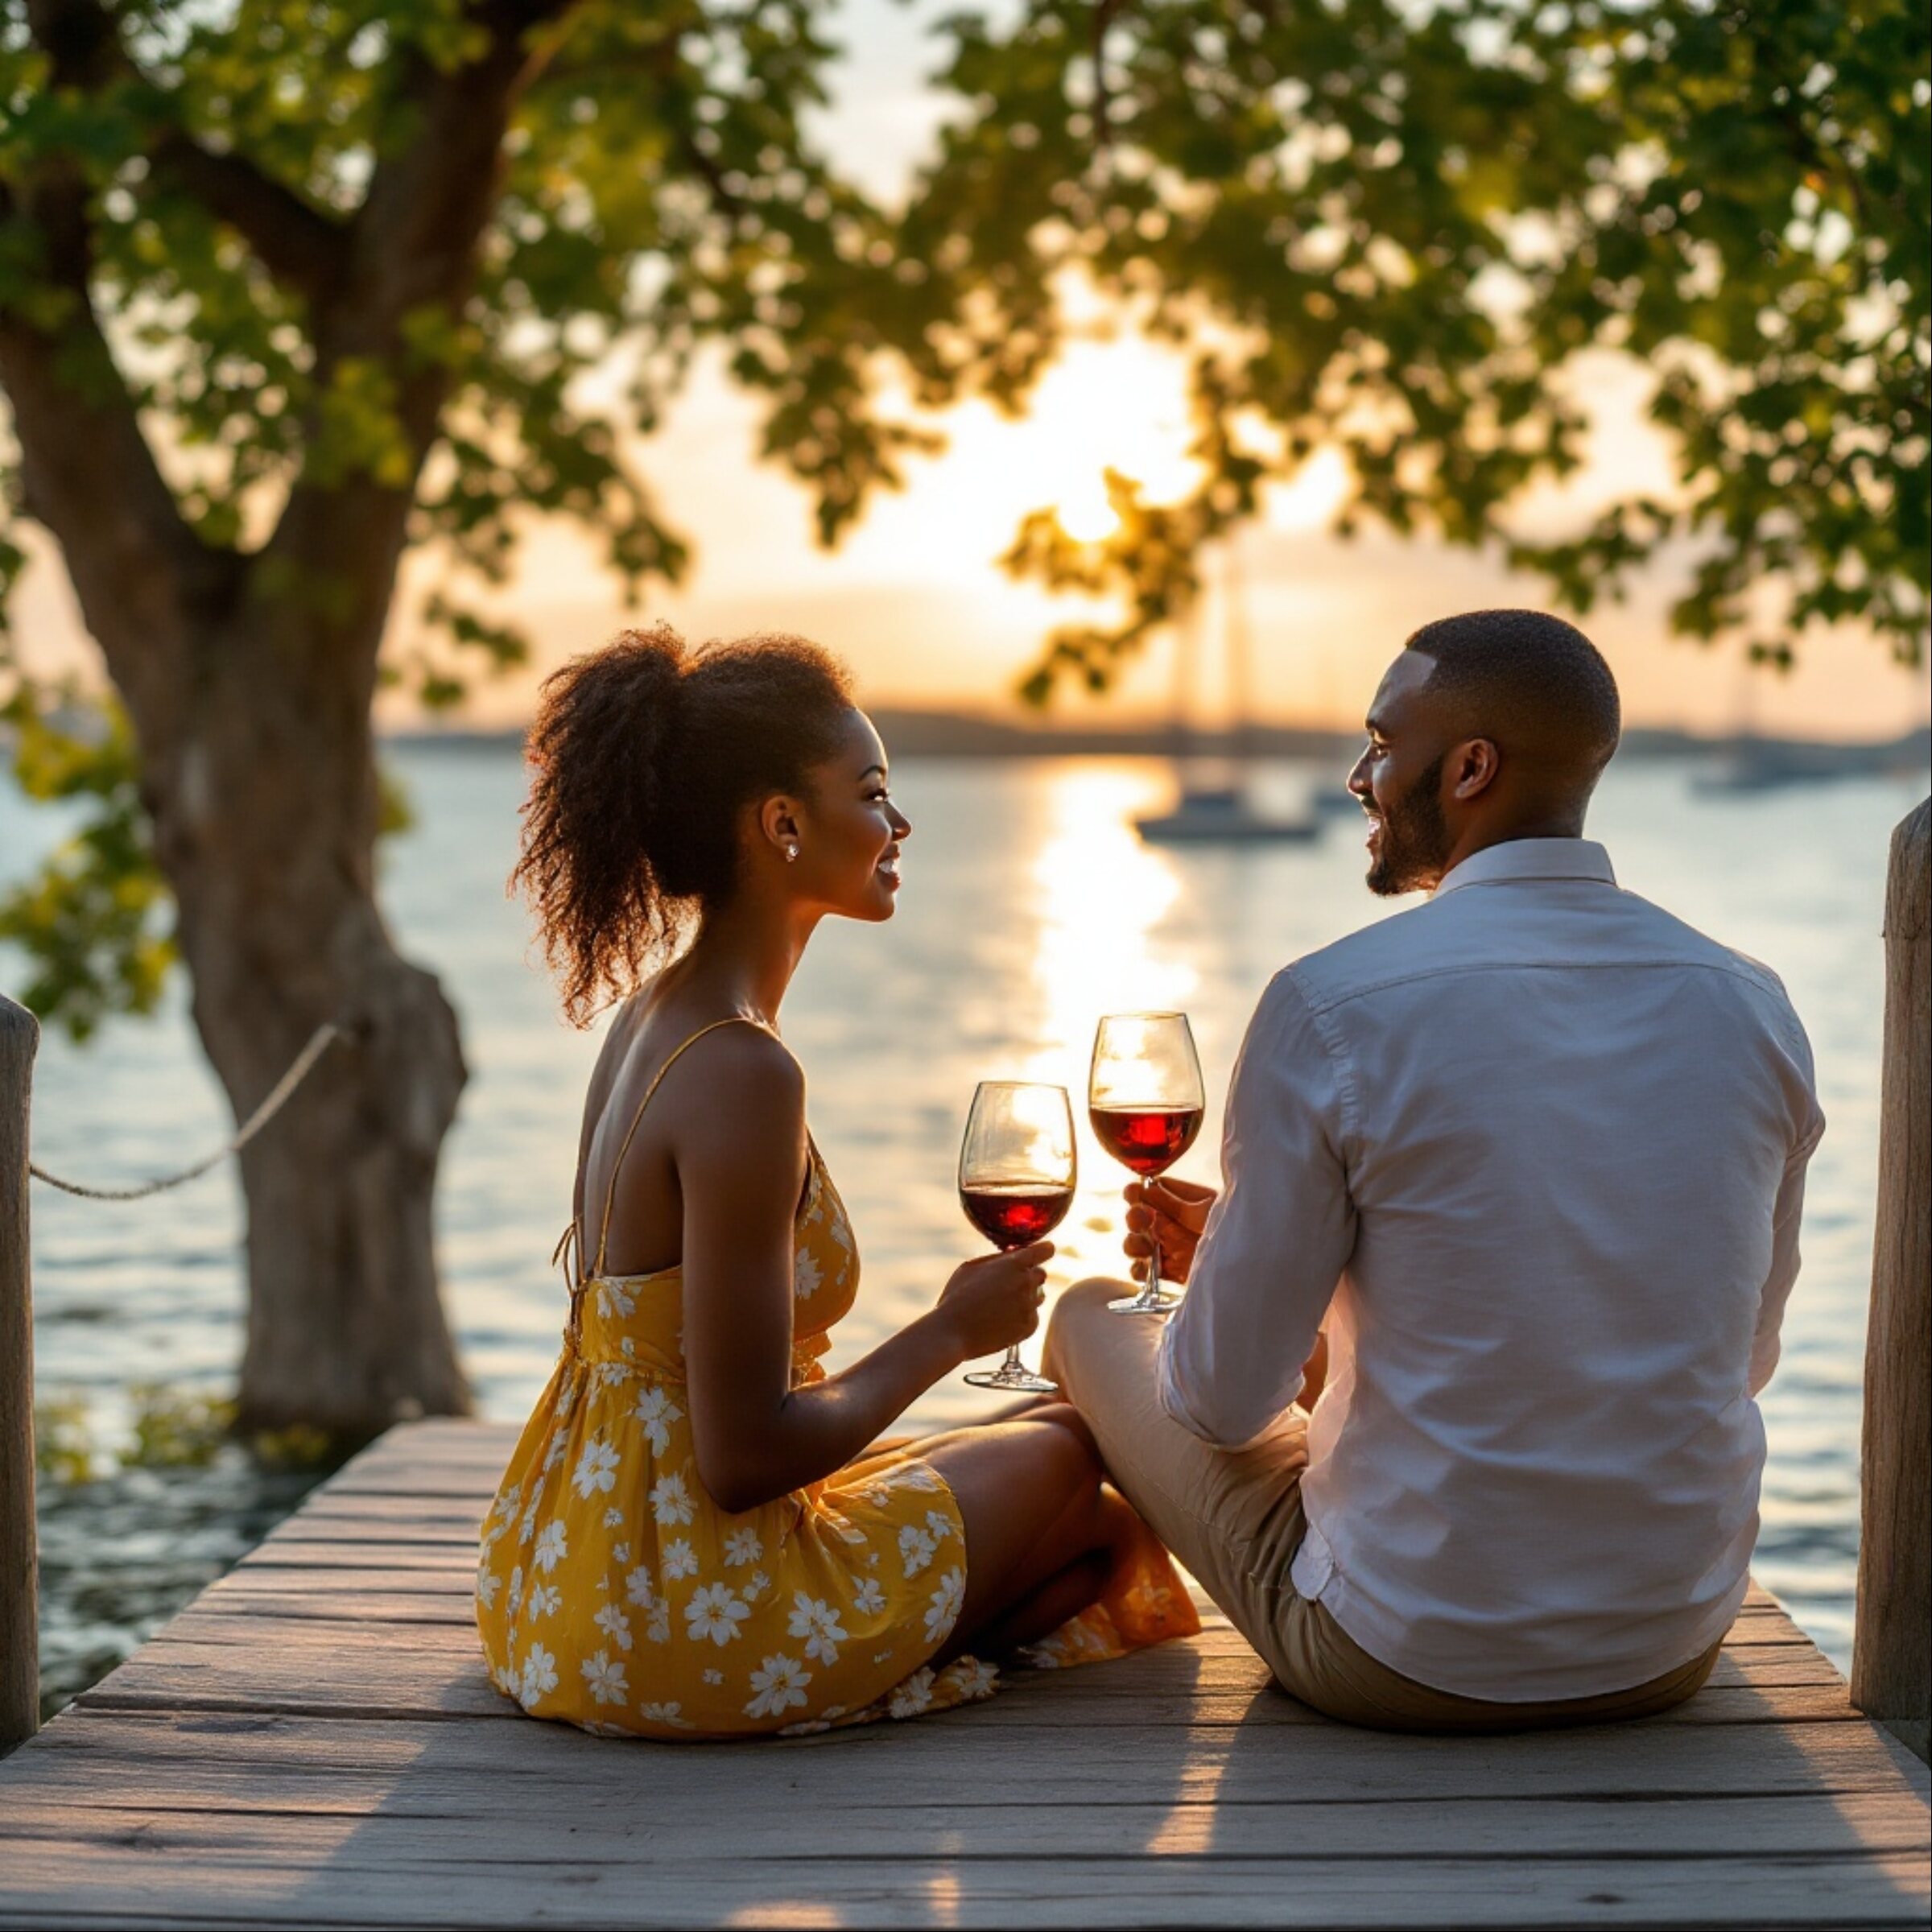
<point x="1398" y="779"/>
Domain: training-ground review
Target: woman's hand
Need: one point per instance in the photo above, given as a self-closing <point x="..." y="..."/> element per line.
<point x="1174" y="1211"/>
<point x="994" y="1299"/>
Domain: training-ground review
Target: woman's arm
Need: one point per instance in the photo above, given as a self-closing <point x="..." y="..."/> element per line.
<point x="741" y="1153"/>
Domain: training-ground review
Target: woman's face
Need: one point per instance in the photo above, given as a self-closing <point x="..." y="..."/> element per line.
<point x="849" y="831"/>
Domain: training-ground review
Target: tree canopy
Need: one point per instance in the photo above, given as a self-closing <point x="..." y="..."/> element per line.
<point x="444" y="262"/>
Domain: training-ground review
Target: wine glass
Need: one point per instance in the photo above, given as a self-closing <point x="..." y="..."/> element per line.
<point x="1146" y="1101"/>
<point x="1016" y="1184"/>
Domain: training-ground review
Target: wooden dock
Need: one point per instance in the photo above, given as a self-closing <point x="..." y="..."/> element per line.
<point x="314" y="1742"/>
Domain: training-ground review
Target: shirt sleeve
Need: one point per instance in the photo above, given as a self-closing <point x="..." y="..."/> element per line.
<point x="1786" y="1216"/>
<point x="1278" y="1238"/>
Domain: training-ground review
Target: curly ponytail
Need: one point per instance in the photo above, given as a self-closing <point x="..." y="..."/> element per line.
<point x="642" y="755"/>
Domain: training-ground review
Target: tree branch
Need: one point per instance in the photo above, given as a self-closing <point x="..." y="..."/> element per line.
<point x="299" y="245"/>
<point x="295" y="241"/>
<point x="412" y="250"/>
<point x="87" y="472"/>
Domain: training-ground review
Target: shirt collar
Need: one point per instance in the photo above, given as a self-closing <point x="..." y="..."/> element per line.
<point x="1531" y="859"/>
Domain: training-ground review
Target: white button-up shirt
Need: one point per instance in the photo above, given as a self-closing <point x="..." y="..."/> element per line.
<point x="1536" y="1151"/>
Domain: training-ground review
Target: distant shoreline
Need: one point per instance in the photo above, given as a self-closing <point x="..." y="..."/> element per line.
<point x="947" y="734"/>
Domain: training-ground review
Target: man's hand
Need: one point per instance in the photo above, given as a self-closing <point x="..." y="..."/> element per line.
<point x="1172" y="1212"/>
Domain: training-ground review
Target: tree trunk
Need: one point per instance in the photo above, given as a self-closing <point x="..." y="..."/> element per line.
<point x="265" y="810"/>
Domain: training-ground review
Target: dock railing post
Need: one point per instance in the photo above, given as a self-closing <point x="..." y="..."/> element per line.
<point x="1892" y="1643"/>
<point x="19" y="1560"/>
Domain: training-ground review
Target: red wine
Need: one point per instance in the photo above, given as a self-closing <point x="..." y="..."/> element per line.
<point x="1150" y="1140"/>
<point x="1011" y="1213"/>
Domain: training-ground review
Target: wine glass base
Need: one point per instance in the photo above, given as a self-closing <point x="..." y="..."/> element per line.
<point x="1009" y="1375"/>
<point x="1160" y="1302"/>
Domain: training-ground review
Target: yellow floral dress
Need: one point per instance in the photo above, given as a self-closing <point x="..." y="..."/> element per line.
<point x="614" y="1593"/>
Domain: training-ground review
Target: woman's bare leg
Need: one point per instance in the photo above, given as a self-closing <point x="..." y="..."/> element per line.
<point x="1030" y="1494"/>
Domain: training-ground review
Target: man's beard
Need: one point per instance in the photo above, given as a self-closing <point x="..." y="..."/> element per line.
<point x="1415" y="838"/>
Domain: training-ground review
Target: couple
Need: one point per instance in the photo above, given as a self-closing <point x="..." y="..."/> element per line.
<point x="1456" y="1421"/>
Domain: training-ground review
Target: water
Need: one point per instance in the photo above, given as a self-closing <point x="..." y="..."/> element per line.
<point x="1029" y="907"/>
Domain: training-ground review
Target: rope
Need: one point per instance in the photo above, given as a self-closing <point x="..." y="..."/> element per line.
<point x="320" y="1042"/>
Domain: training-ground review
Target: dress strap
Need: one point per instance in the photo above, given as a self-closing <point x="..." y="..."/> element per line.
<point x="610" y="1192"/>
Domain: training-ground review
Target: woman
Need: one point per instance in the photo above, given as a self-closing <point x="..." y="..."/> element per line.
<point x="692" y="1539"/>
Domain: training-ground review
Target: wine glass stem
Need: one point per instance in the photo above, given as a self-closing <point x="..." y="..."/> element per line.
<point x="1151" y="1286"/>
<point x="1013" y="1359"/>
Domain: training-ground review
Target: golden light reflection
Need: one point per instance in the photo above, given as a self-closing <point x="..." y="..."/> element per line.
<point x="1102" y="896"/>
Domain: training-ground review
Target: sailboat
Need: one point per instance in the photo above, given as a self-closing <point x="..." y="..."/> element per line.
<point x="1224" y="813"/>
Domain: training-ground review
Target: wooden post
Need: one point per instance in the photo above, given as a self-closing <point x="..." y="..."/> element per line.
<point x="19" y="1560"/>
<point x="1892" y="1646"/>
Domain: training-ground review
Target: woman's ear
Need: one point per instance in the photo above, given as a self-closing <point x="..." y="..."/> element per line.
<point x="778" y="822"/>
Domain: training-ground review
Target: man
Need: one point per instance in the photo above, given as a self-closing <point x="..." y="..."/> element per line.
<point x="1529" y="1157"/>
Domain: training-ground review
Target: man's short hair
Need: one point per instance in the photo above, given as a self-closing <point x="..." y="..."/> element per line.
<point x="1533" y="683"/>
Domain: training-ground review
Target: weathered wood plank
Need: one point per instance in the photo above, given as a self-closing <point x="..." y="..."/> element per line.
<point x="636" y="1814"/>
<point x="308" y="1871"/>
<point x="964" y="1761"/>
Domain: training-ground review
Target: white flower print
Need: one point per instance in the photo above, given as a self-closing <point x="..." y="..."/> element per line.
<point x="780" y="1684"/>
<point x="539" y="1674"/>
<point x="597" y="1469"/>
<point x="670" y="1500"/>
<point x="715" y="1612"/>
<point x="916" y="1549"/>
<point x="916" y="1475"/>
<point x="742" y="1546"/>
<point x="756" y="1586"/>
<point x="516" y="1593"/>
<point x="545" y="1600"/>
<point x="870" y="1599"/>
<point x="567" y="1397"/>
<point x="604" y="1679"/>
<point x="620" y="1554"/>
<point x="553" y="1453"/>
<point x="655" y="1412"/>
<point x="613" y="1517"/>
<point x="972" y="1678"/>
<point x="615" y="1300"/>
<point x="680" y="1560"/>
<point x="714" y="1676"/>
<point x="507" y="1502"/>
<point x="939" y="1523"/>
<point x="671" y="1714"/>
<point x="817" y="1622"/>
<point x="913" y="1696"/>
<point x="551" y="1549"/>
<point x="488" y="1584"/>
<point x="808" y="1277"/>
<point x="659" y="1628"/>
<point x="942" y="1612"/>
<point x="614" y="1624"/>
<point x="487" y="1542"/>
<point x="638" y="1589"/>
<point x="527" y="1527"/>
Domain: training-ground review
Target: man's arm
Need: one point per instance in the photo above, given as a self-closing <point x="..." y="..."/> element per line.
<point x="1785" y="1259"/>
<point x="1279" y="1238"/>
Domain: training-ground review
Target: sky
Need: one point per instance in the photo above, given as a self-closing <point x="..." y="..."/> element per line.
<point x="915" y="602"/>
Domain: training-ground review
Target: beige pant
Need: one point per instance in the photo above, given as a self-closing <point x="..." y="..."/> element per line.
<point x="1234" y="1518"/>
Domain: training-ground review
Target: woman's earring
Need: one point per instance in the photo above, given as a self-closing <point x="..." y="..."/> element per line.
<point x="791" y="852"/>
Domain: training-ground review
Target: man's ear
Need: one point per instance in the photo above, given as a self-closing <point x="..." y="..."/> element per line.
<point x="1472" y="766"/>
